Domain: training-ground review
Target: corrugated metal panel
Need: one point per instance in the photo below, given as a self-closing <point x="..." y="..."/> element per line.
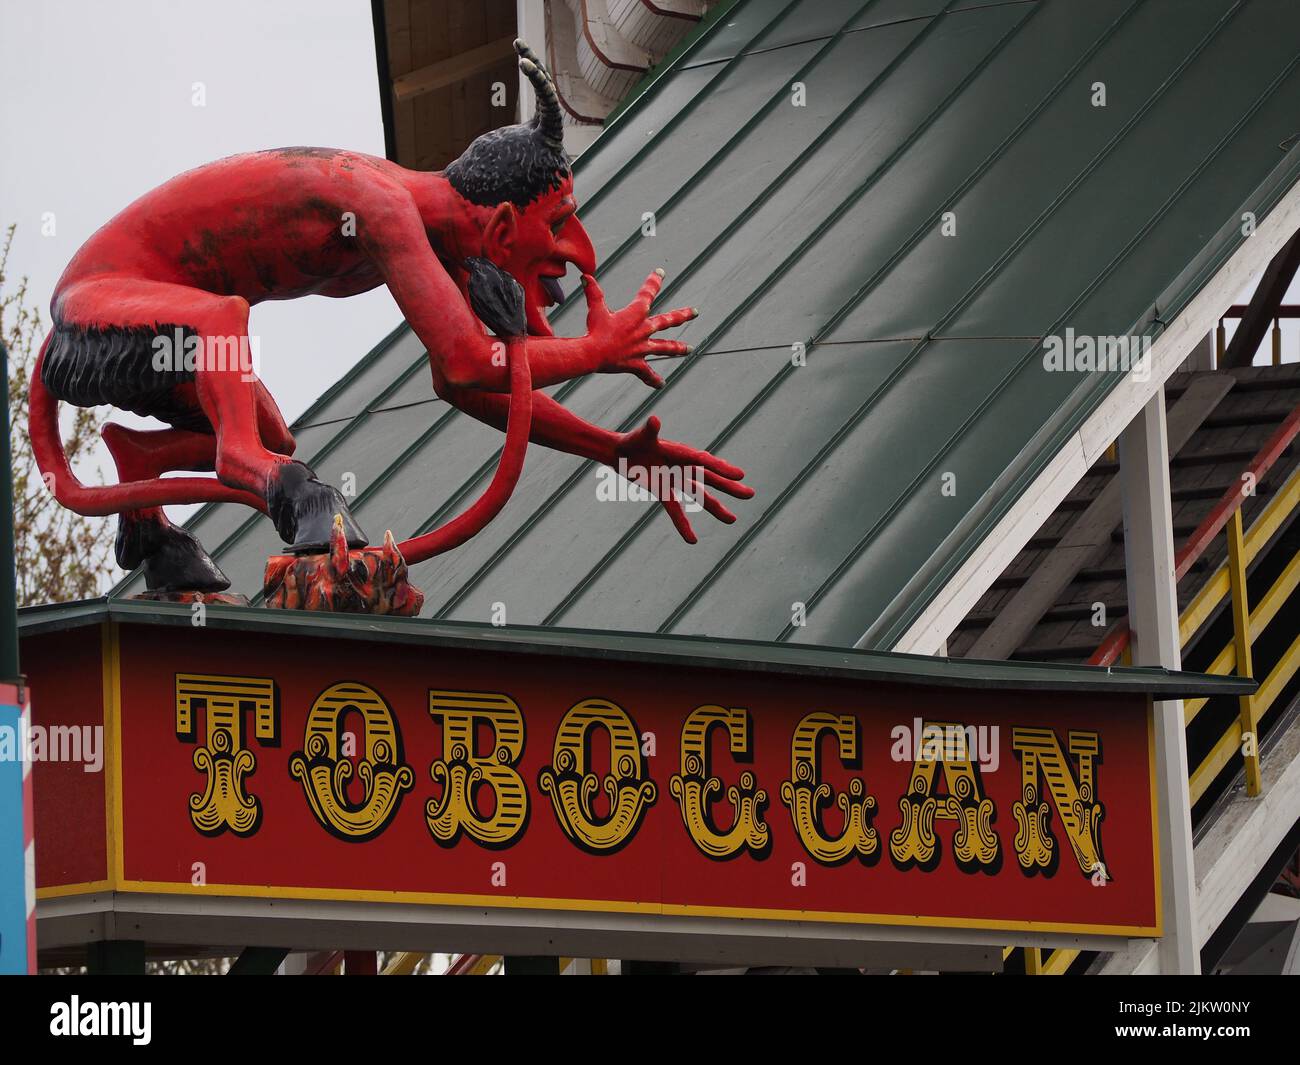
<point x="822" y="224"/>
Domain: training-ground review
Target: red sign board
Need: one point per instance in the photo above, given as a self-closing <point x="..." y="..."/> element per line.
<point x="308" y="767"/>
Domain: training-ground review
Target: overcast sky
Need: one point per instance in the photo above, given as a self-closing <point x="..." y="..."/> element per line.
<point x="97" y="107"/>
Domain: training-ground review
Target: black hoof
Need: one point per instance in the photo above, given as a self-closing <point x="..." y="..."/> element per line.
<point x="174" y="561"/>
<point x="303" y="510"/>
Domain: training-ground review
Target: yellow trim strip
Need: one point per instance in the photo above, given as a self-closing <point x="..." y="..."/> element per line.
<point x="112" y="669"/>
<point x="58" y="891"/>
<point x="1277" y="680"/>
<point x="1267" y="609"/>
<point x="404" y="964"/>
<point x="608" y="906"/>
<point x="1241" y="637"/>
<point x="1213" y="591"/>
<point x="1059" y="962"/>
<point x="1155" y="815"/>
<point x="1271" y="603"/>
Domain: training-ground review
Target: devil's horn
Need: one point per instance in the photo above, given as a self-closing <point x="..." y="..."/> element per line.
<point x="338" y="549"/>
<point x="549" y="119"/>
<point x="391" y="555"/>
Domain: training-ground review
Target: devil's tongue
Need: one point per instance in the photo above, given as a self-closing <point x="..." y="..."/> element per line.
<point x="551" y="286"/>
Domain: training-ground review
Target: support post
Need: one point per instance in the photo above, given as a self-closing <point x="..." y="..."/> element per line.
<point x="1242" y="645"/>
<point x="632" y="967"/>
<point x="17" y="849"/>
<point x="1153" y="619"/>
<point x="258" y="961"/>
<point x="360" y="963"/>
<point x="531" y="965"/>
<point x="115" y="957"/>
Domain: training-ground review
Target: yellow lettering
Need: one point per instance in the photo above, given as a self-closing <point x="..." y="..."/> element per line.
<point x="324" y="772"/>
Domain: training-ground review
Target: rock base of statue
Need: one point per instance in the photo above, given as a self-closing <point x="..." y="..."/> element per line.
<point x="208" y="598"/>
<point x="356" y="580"/>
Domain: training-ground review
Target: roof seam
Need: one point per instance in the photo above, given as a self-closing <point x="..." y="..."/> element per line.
<point x="761" y="520"/>
<point x="858" y="29"/>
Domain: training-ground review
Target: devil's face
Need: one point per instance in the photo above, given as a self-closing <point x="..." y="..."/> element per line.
<point x="547" y="238"/>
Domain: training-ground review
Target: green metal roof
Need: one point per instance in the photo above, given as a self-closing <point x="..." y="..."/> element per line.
<point x="666" y="651"/>
<point x="821" y="224"/>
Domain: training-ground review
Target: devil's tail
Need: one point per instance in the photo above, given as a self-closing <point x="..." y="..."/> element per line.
<point x="518" y="425"/>
<point x="52" y="460"/>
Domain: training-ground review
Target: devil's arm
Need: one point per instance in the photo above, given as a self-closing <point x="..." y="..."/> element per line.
<point x="553" y="425"/>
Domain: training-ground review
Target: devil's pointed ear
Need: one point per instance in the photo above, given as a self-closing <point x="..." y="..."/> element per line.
<point x="499" y="235"/>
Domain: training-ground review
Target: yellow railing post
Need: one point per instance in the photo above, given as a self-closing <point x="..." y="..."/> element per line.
<point x="1241" y="643"/>
<point x="1033" y="961"/>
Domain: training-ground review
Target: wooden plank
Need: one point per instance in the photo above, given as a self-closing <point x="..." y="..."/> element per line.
<point x="429" y="44"/>
<point x="397" y="16"/>
<point x="1153" y="617"/>
<point x="452" y="71"/>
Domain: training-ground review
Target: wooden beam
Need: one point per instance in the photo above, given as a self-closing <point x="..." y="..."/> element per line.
<point x="258" y="961"/>
<point x="454" y="70"/>
<point x="532" y="965"/>
<point x="1263" y="305"/>
<point x="1153" y="618"/>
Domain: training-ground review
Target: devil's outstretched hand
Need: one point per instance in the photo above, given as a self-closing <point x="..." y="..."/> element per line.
<point x="678" y="475"/>
<point x="627" y="336"/>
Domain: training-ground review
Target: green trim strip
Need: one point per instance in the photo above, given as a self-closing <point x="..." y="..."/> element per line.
<point x="688" y="651"/>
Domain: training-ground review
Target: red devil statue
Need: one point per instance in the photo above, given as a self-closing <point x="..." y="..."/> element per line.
<point x="152" y="313"/>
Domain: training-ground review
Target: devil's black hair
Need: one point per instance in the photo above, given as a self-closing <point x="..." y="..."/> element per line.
<point x="516" y="163"/>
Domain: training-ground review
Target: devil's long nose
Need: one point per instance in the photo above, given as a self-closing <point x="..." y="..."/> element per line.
<point x="573" y="244"/>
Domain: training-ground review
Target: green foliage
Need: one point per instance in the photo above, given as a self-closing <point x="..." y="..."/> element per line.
<point x="59" y="555"/>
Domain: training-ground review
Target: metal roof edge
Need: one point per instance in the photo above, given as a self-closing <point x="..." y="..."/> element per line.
<point x="680" y="51"/>
<point x="379" y="26"/>
<point x="689" y="651"/>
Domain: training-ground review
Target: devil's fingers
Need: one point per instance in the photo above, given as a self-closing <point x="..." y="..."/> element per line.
<point x="711" y="504"/>
<point x="650" y="289"/>
<point x="718" y="473"/>
<point x="596" y="308"/>
<point x="672" y="348"/>
<point x="728" y="483"/>
<point x="679" y="519"/>
<point x="641" y="369"/>
<point x="669" y="319"/>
